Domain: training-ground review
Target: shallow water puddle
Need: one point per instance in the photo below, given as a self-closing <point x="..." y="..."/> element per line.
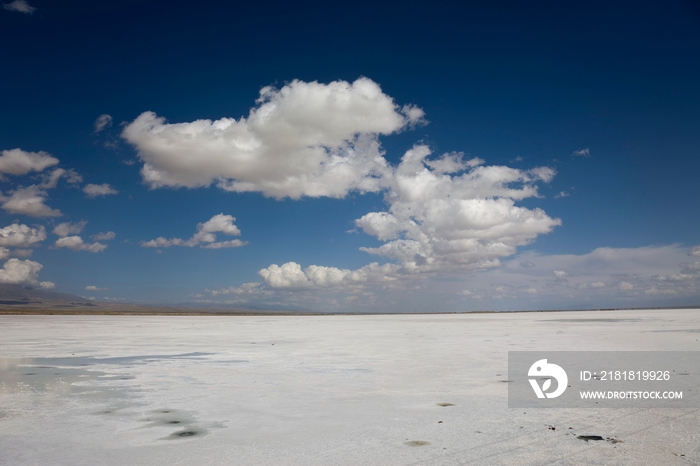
<point x="42" y="385"/>
<point x="26" y="376"/>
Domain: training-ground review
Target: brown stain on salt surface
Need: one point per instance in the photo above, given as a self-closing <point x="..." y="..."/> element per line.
<point x="416" y="443"/>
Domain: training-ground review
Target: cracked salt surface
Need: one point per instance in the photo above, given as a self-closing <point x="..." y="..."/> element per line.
<point x="402" y="389"/>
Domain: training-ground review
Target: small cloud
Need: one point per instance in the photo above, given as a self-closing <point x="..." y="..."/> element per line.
<point x="694" y="251"/>
<point x="94" y="190"/>
<point x="47" y="284"/>
<point x="654" y="291"/>
<point x="562" y="194"/>
<point x="94" y="288"/>
<point x="531" y="291"/>
<point x="73" y="177"/>
<point x="65" y="229"/>
<point x="20" y="162"/>
<point x="245" y="289"/>
<point x="104" y="236"/>
<point x="102" y="122"/>
<point x="20" y="6"/>
<point x="560" y="274"/>
<point x="76" y="243"/>
<point x="28" y="201"/>
<point x="581" y="153"/>
<point x="625" y="286"/>
<point x="527" y="264"/>
<point x="597" y="285"/>
<point x="205" y="236"/>
<point x="50" y="180"/>
<point x="112" y="144"/>
<point x="465" y="293"/>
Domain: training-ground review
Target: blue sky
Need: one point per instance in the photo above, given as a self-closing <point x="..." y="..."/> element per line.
<point x="379" y="156"/>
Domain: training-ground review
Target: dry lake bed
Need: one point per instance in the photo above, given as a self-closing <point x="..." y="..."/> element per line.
<point x="326" y="390"/>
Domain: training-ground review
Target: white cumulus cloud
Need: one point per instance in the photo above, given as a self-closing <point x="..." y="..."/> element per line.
<point x="291" y="275"/>
<point x="462" y="219"/>
<point x="305" y="139"/>
<point x="581" y="153"/>
<point x="76" y="243"/>
<point x="28" y="201"/>
<point x="20" y="272"/>
<point x="205" y="237"/>
<point x="94" y="190"/>
<point x="21" y="236"/>
<point x="19" y="162"/>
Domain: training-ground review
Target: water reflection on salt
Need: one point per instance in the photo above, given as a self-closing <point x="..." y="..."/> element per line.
<point x="29" y="376"/>
<point x="74" y="374"/>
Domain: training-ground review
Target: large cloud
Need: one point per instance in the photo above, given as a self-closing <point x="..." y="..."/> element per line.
<point x="21" y="236"/>
<point x="452" y="213"/>
<point x="305" y="139"/>
<point x="20" y="272"/>
<point x="19" y="162"/>
<point x="205" y="237"/>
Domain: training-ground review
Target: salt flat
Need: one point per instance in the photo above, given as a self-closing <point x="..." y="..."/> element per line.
<point x="304" y="390"/>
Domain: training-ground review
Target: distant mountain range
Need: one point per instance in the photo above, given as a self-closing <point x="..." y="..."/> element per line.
<point x="17" y="295"/>
<point x="17" y="299"/>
